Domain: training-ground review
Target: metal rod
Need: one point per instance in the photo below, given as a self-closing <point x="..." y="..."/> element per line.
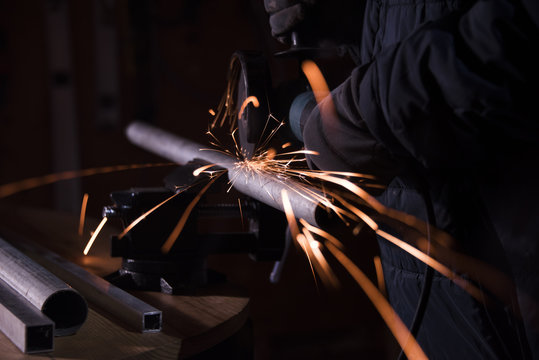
<point x="99" y="292"/>
<point x="61" y="303"/>
<point x="262" y="187"/>
<point x="22" y="323"/>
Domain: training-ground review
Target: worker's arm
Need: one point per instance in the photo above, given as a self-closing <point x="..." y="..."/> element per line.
<point x="452" y="92"/>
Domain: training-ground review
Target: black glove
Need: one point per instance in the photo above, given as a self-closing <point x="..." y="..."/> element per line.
<point x="318" y="24"/>
<point x="285" y="16"/>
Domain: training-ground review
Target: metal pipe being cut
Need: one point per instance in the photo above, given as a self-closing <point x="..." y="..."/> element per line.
<point x="262" y="187"/>
<point x="57" y="300"/>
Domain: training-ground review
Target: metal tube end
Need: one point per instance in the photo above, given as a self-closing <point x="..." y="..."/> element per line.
<point x="152" y="322"/>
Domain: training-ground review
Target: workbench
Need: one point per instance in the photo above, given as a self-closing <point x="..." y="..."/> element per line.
<point x="192" y="324"/>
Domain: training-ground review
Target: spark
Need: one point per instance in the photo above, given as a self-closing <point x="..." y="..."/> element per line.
<point x="302" y="152"/>
<point x="322" y="267"/>
<point x="262" y="164"/>
<point x="94" y="235"/>
<point x="226" y="110"/>
<point x="322" y="233"/>
<point x="266" y="162"/>
<point x="435" y="264"/>
<point x="270" y="154"/>
<point x="341" y="173"/>
<point x="171" y="240"/>
<point x="353" y="188"/>
<point x="466" y="285"/>
<point x="249" y="100"/>
<point x="212" y="112"/>
<point x="236" y="146"/>
<point x="380" y="275"/>
<point x="491" y="278"/>
<point x="272" y="133"/>
<point x="241" y="214"/>
<point x="351" y="203"/>
<point x="360" y="214"/>
<point x="83" y="214"/>
<point x="143" y="216"/>
<point x="285" y="145"/>
<point x="289" y="213"/>
<point x="303" y="243"/>
<point x="411" y="221"/>
<point x="203" y="168"/>
<point x="31" y="183"/>
<point x="320" y="90"/>
<point x="405" y="339"/>
<point x="316" y="80"/>
<point x="300" y="238"/>
<point x="394" y="214"/>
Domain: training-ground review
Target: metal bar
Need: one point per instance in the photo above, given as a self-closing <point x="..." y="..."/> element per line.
<point x="61" y="303"/>
<point x="99" y="292"/>
<point x="23" y="324"/>
<point x="262" y="187"/>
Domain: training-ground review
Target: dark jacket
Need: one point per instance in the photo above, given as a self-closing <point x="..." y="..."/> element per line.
<point x="445" y="106"/>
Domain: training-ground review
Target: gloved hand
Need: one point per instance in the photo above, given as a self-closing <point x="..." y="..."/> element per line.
<point x="317" y="23"/>
<point x="285" y="16"/>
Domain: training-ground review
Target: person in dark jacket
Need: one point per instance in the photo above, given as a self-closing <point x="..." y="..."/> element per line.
<point x="444" y="105"/>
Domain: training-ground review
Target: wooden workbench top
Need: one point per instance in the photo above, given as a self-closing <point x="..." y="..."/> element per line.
<point x="191" y="324"/>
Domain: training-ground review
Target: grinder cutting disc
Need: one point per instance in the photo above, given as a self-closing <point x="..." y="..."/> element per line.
<point x="253" y="80"/>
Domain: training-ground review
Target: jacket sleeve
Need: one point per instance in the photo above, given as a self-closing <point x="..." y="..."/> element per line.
<point x="452" y="92"/>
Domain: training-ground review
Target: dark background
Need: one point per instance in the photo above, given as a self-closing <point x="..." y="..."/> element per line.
<point x="73" y="74"/>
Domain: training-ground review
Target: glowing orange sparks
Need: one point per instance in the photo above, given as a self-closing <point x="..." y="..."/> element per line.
<point x="167" y="245"/>
<point x="249" y="100"/>
<point x="300" y="238"/>
<point x="203" y="168"/>
<point x="302" y="152"/>
<point x="466" y="285"/>
<point x="143" y="216"/>
<point x="319" y="261"/>
<point x="212" y="112"/>
<point x="380" y="275"/>
<point x="408" y="219"/>
<point x="409" y="345"/>
<point x="289" y="212"/>
<point x="94" y="235"/>
<point x="405" y="339"/>
<point x="241" y="214"/>
<point x="31" y="183"/>
<point x="83" y="213"/>
<point x="316" y="80"/>
<point x="303" y="242"/>
<point x="444" y="270"/>
<point x="322" y="233"/>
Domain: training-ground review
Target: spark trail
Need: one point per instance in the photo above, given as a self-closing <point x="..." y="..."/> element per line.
<point x="94" y="235"/>
<point x="35" y="182"/>
<point x="83" y="214"/>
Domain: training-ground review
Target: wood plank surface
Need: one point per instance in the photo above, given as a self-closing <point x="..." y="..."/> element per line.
<point x="191" y="324"/>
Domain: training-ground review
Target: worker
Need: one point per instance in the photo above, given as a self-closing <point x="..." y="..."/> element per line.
<point x="443" y="107"/>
